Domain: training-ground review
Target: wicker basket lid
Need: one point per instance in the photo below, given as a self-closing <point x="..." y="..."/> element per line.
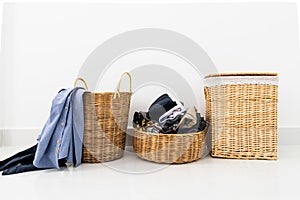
<point x="243" y="74"/>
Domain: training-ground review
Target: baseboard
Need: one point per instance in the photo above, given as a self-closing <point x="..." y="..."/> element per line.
<point x="1" y="136"/>
<point x="27" y="137"/>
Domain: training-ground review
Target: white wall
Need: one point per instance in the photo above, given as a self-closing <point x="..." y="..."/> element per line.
<point x="1" y="77"/>
<point x="44" y="46"/>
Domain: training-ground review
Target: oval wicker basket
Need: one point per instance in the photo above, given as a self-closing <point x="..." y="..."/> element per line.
<point x="242" y="112"/>
<point x="105" y="124"/>
<point x="169" y="148"/>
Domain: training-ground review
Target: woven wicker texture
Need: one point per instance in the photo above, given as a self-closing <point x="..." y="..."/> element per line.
<point x="105" y="125"/>
<point x="169" y="148"/>
<point x="243" y="119"/>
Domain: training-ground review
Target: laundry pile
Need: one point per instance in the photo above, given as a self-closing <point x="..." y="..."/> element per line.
<point x="60" y="141"/>
<point x="169" y="117"/>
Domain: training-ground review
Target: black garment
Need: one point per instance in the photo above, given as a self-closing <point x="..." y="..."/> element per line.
<point x="202" y="122"/>
<point x="140" y="120"/>
<point x="170" y="126"/>
<point x="20" y="168"/>
<point x="22" y="162"/>
<point x="150" y="121"/>
<point x="161" y="105"/>
<point x="25" y="156"/>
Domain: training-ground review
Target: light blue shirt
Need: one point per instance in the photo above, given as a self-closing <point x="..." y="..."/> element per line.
<point x="78" y="125"/>
<point x="61" y="137"/>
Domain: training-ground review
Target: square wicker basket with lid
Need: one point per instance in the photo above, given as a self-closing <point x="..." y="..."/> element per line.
<point x="242" y="114"/>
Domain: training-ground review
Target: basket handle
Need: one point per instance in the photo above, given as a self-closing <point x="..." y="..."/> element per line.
<point x="117" y="93"/>
<point x="82" y="80"/>
<point x="206" y="93"/>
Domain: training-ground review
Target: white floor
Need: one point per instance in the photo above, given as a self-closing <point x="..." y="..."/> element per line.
<point x="133" y="178"/>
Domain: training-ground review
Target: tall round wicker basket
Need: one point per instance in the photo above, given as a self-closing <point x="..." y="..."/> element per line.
<point x="105" y="124"/>
<point x="242" y="114"/>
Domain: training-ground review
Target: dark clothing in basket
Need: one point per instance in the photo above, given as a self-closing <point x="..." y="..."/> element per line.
<point x="150" y="121"/>
<point x="154" y="128"/>
<point x="160" y="106"/>
<point x="170" y="126"/>
<point x="172" y="114"/>
<point x="199" y="126"/>
<point x="191" y="122"/>
<point x="140" y="119"/>
<point x="163" y="118"/>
